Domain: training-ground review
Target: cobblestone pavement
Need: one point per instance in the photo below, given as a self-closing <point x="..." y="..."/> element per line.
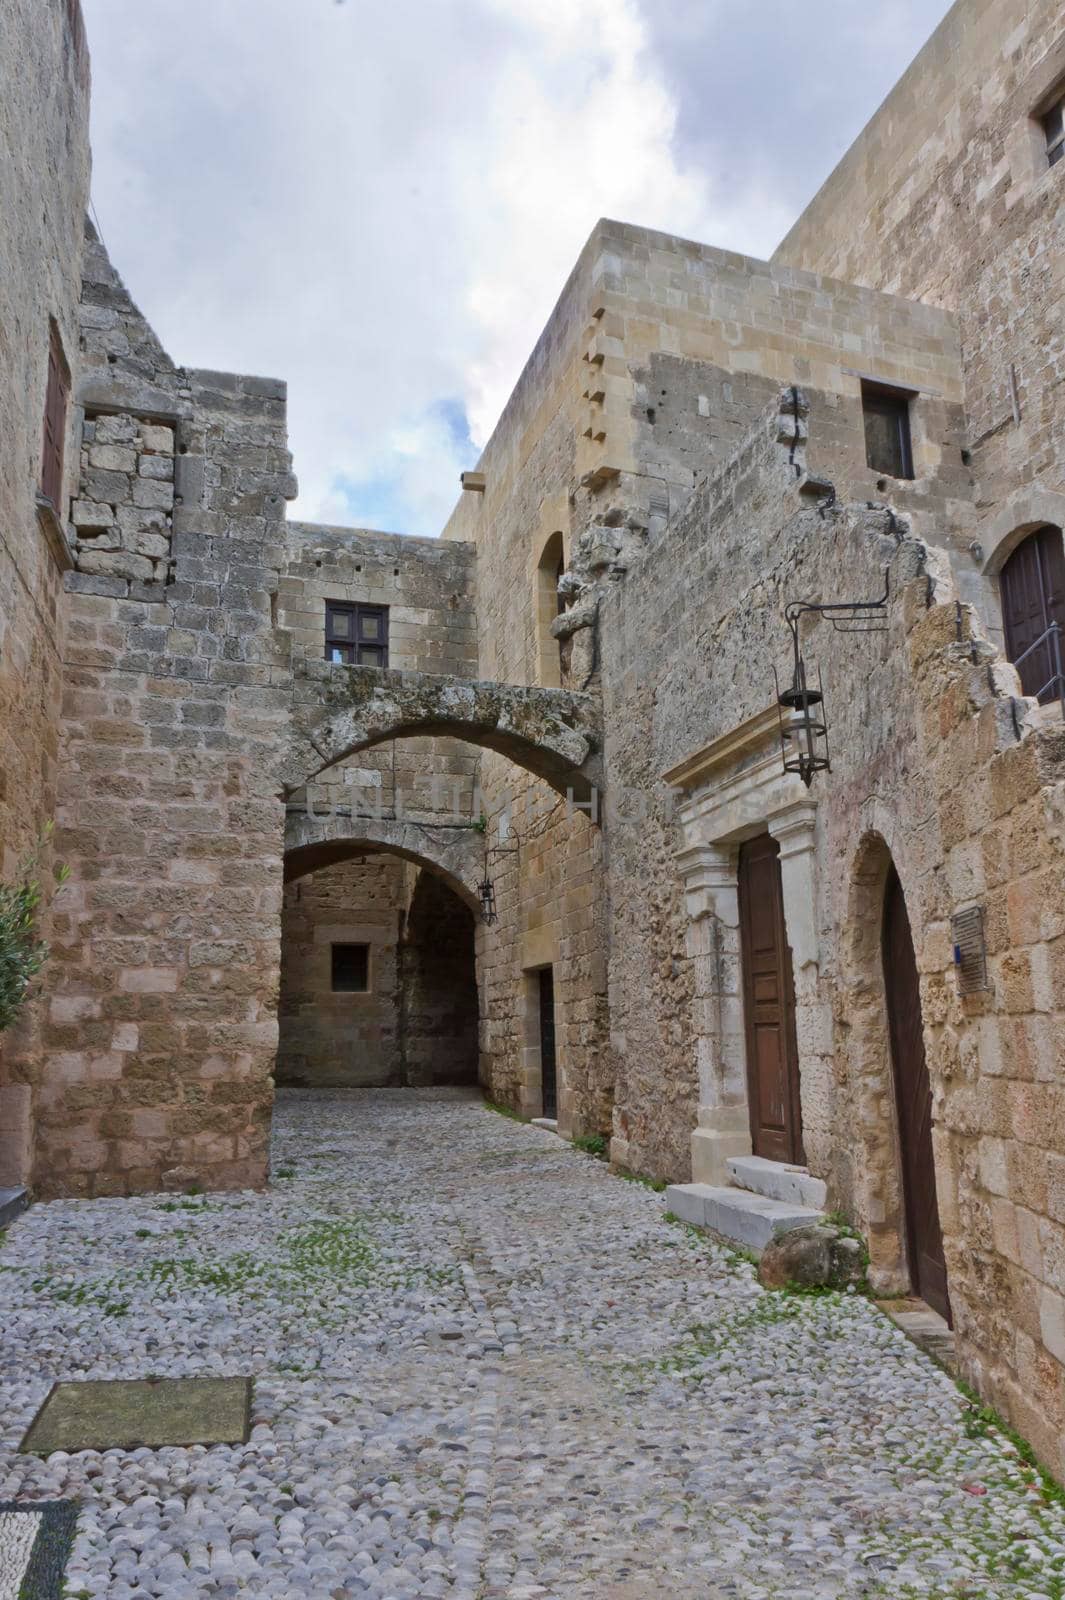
<point x="487" y="1367"/>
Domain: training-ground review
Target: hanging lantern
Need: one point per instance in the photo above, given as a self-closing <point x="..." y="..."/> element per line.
<point x="801" y="708"/>
<point x="803" y="729"/>
<point x="487" y="893"/>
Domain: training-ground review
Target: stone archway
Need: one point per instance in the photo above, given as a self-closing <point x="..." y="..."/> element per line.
<point x="864" y="1063"/>
<point x="552" y="733"/>
<point x="455" y="854"/>
<point x="379" y="947"/>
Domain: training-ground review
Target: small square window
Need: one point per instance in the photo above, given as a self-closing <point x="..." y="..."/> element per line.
<point x="1054" y="129"/>
<point x="356" y="635"/>
<point x="351" y="968"/>
<point x="888" y="447"/>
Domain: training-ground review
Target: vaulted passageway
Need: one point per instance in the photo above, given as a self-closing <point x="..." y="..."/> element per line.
<point x="378" y="969"/>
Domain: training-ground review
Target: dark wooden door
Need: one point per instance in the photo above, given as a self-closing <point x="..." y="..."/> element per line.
<point x="1032" y="584"/>
<point x="548" y="1060"/>
<point x="768" y="1006"/>
<point x="913" y="1097"/>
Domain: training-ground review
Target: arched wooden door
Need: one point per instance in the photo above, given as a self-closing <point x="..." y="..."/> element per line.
<point x="1032" y="586"/>
<point x="913" y="1098"/>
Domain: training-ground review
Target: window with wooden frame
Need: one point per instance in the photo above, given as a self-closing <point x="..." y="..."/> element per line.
<point x="56" y="399"/>
<point x="888" y="444"/>
<point x="356" y="634"/>
<point x="1054" y="130"/>
<point x="350" y="968"/>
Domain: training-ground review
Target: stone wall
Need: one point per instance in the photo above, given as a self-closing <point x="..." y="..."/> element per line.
<point x="162" y="1023"/>
<point x="958" y="207"/>
<point x="44" y="188"/>
<point x="428" y="588"/>
<point x="938" y="766"/>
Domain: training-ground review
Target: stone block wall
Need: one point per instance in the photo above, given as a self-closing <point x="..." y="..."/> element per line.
<point x="162" y="1003"/>
<point x="44" y="188"/>
<point x="123" y="517"/>
<point x="960" y="208"/>
<point x="428" y="588"/>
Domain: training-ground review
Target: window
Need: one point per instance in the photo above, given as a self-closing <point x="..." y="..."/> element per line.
<point x="1054" y="128"/>
<point x="549" y="605"/>
<point x="356" y="634"/>
<point x="887" y="430"/>
<point x="351" y="968"/>
<point x="57" y="393"/>
<point x="1032" y="586"/>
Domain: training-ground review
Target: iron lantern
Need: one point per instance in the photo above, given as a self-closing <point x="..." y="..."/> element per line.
<point x="801" y="707"/>
<point x="487" y="894"/>
<point x="803" y="728"/>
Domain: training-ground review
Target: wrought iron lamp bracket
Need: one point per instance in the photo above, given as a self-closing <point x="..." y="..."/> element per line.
<point x="804" y="735"/>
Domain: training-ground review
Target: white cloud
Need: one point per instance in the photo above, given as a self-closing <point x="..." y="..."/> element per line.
<point x="382" y="202"/>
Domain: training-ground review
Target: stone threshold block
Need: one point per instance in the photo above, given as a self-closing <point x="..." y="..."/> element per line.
<point x="748" y="1219"/>
<point x="777" y="1180"/>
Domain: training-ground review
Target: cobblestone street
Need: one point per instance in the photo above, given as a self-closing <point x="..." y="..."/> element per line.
<point x="485" y="1366"/>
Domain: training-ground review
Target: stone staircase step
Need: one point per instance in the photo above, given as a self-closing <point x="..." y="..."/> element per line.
<point x="778" y="1180"/>
<point x="749" y="1219"/>
<point x="12" y="1201"/>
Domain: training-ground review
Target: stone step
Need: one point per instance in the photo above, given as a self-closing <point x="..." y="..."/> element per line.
<point x="12" y="1201"/>
<point x="778" y="1180"/>
<point x="749" y="1219"/>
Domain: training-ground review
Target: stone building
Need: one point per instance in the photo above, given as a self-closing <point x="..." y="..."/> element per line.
<point x="521" y="792"/>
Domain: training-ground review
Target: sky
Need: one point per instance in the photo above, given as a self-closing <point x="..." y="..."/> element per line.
<point x="380" y="200"/>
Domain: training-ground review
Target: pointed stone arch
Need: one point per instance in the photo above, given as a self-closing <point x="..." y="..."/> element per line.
<point x="338" y="710"/>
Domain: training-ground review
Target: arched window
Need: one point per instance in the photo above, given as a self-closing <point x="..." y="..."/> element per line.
<point x="1032" y="585"/>
<point x="549" y="605"/>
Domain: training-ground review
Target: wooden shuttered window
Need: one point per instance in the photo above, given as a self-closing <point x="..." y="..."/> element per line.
<point x="1032" y="586"/>
<point x="356" y="634"/>
<point x="57" y="396"/>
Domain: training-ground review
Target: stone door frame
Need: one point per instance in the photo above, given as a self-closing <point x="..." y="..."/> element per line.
<point x="731" y="791"/>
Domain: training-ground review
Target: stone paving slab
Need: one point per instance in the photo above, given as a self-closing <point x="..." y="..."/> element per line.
<point x="128" y="1413"/>
<point x="485" y="1368"/>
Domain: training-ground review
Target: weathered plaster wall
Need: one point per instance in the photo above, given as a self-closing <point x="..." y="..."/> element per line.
<point x="946" y="196"/>
<point x="44" y="188"/>
<point x="162" y="1023"/>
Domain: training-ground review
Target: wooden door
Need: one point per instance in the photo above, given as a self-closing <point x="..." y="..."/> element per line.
<point x="1032" y="585"/>
<point x="768" y="1006"/>
<point x="548" y="1060"/>
<point x="913" y="1098"/>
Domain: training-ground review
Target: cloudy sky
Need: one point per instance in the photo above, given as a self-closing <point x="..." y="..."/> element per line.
<point x="380" y="200"/>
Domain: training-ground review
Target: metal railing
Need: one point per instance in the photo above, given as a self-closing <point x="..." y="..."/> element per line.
<point x="1056" y="681"/>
